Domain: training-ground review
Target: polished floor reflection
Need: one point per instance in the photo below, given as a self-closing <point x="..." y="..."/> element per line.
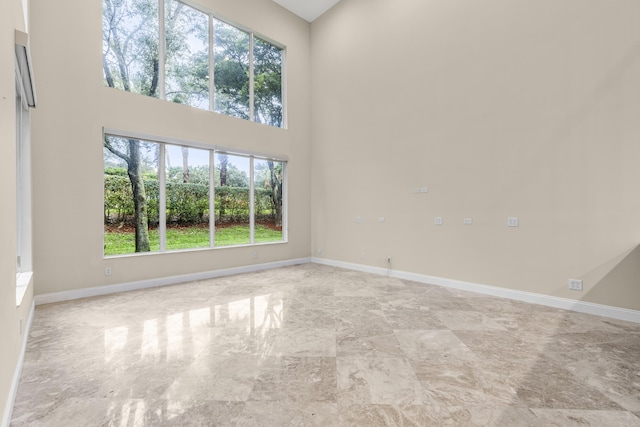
<point x="312" y="345"/>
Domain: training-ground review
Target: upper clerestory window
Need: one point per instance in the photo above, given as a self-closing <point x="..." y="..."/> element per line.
<point x="173" y="51"/>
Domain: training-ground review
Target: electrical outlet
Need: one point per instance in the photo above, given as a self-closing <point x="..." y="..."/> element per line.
<point x="415" y="189"/>
<point x="468" y="221"/>
<point x="512" y="221"/>
<point x="438" y="220"/>
<point x="380" y="219"/>
<point x="424" y="189"/>
<point x="358" y="219"/>
<point x="575" y="284"/>
<point x="107" y="271"/>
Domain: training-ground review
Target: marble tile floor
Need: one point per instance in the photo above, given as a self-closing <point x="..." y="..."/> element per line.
<point x="312" y="345"/>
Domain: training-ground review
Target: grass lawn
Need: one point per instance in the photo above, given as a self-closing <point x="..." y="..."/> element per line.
<point x="118" y="243"/>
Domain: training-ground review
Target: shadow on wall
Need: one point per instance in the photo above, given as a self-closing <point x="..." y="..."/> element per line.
<point x="617" y="282"/>
<point x="579" y="369"/>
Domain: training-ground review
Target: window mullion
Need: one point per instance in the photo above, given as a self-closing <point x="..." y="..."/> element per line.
<point x="162" y="40"/>
<point x="251" y="79"/>
<point x="252" y="220"/>
<point x="212" y="64"/>
<point x="162" y="198"/>
<point x="283" y="88"/>
<point x="19" y="190"/>
<point x="212" y="195"/>
<point x="285" y="203"/>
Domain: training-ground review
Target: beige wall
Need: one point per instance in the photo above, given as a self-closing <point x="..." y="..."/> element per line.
<point x="501" y="108"/>
<point x="73" y="107"/>
<point x="11" y="18"/>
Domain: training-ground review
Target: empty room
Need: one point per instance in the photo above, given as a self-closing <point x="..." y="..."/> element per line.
<point x="320" y="212"/>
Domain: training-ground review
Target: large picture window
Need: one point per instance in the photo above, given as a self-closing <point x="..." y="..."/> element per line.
<point x="162" y="197"/>
<point x="186" y="55"/>
<point x="177" y="52"/>
<point x="233" y="207"/>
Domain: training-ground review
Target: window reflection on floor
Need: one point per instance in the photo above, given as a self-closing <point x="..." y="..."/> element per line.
<point x="188" y="333"/>
<point x="115" y="340"/>
<point x="150" y="344"/>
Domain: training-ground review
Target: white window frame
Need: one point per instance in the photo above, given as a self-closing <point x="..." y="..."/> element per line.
<point x="24" y="260"/>
<point x="213" y="16"/>
<point x="252" y="34"/>
<point x="214" y="150"/>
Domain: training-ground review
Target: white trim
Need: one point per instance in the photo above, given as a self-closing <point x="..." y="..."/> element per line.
<point x="23" y="281"/>
<point x="252" y="203"/>
<point x="212" y="196"/>
<point x="23" y="57"/>
<point x="212" y="65"/>
<point x="20" y="86"/>
<point x="229" y="21"/>
<point x="530" y="297"/>
<point x="283" y="86"/>
<point x="162" y="197"/>
<point x="13" y="391"/>
<point x="285" y="202"/>
<point x="162" y="51"/>
<point x="252" y="89"/>
<point x="189" y="143"/>
<point x="162" y="281"/>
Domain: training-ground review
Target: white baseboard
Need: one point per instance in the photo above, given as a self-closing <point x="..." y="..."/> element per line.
<point x="162" y="281"/>
<point x="530" y="297"/>
<point x="13" y="391"/>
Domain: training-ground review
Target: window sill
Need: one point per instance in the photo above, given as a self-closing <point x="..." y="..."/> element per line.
<point x="23" y="281"/>
<point x="175" y="251"/>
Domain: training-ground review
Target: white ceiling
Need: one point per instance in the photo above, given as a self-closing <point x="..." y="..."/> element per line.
<point x="307" y="9"/>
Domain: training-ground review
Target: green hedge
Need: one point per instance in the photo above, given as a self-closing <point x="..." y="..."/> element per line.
<point x="186" y="203"/>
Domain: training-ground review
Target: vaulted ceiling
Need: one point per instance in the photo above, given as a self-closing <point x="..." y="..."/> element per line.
<point x="307" y="9"/>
